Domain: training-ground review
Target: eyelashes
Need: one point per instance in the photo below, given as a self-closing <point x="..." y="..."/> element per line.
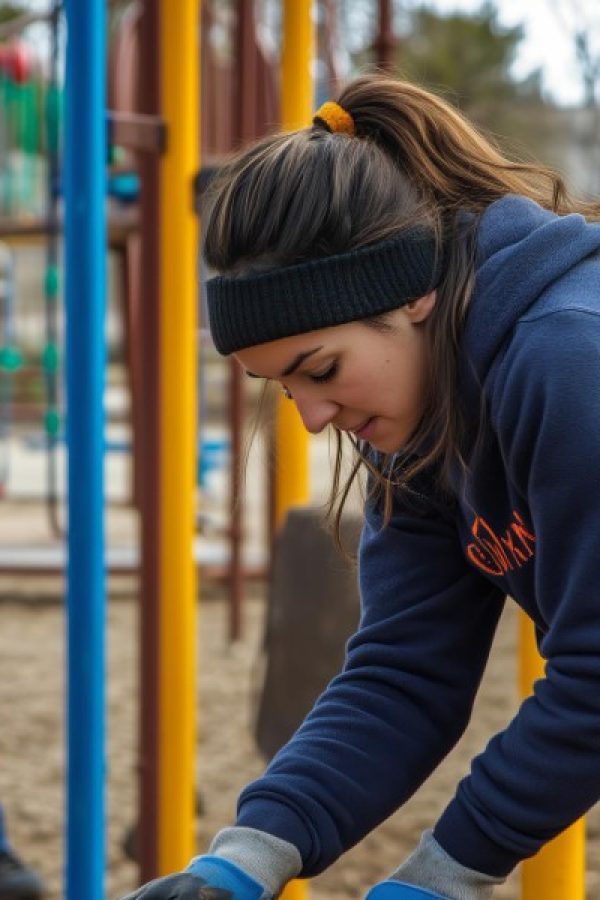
<point x="330" y="373"/>
<point x="321" y="378"/>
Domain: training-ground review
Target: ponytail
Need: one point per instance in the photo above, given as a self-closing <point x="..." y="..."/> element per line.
<point x="444" y="154"/>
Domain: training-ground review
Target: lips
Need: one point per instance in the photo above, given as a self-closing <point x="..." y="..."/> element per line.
<point x="363" y="430"/>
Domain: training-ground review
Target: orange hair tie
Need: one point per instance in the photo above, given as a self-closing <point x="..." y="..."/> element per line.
<point x="335" y="118"/>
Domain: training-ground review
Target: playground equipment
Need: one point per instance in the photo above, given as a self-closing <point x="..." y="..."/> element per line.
<point x="164" y="384"/>
<point x="20" y="132"/>
<point x="50" y="355"/>
<point x="291" y="441"/>
<point x="85" y="241"/>
<point x="557" y="872"/>
<point x="30" y="184"/>
<point x="10" y="357"/>
<point x="85" y="247"/>
<point x="179" y="54"/>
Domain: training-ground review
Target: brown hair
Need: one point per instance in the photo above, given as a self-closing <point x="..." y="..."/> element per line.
<point x="414" y="161"/>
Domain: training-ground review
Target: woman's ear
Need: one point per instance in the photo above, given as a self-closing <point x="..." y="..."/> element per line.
<point x="419" y="310"/>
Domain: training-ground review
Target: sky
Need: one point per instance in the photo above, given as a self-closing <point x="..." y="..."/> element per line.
<point x="549" y="38"/>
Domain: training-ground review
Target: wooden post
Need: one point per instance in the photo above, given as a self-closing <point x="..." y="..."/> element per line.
<point x="146" y="317"/>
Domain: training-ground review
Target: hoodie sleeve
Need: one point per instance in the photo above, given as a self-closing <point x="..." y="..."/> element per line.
<point x="543" y="771"/>
<point x="402" y="701"/>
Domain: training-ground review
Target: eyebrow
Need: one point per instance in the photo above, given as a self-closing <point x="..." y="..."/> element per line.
<point x="297" y="361"/>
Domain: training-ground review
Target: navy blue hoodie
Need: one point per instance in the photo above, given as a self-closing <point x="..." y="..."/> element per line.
<point x="434" y="581"/>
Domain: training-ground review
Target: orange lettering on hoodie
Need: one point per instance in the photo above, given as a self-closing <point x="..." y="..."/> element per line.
<point x="498" y="554"/>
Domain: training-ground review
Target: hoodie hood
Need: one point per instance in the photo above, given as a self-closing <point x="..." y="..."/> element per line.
<point x="522" y="249"/>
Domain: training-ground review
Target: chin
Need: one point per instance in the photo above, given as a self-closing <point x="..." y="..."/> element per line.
<point x="392" y="443"/>
<point x="386" y="446"/>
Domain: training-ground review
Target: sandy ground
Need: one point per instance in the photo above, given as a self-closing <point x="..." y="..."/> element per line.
<point x="31" y="737"/>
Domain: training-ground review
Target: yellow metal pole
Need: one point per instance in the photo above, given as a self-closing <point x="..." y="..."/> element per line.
<point x="292" y="484"/>
<point x="557" y="872"/>
<point x="292" y="481"/>
<point x="297" y="59"/>
<point x="179" y="62"/>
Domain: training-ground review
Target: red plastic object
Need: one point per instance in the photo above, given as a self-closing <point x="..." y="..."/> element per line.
<point x="15" y="62"/>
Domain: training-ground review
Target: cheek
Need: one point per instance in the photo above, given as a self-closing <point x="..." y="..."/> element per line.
<point x="406" y="386"/>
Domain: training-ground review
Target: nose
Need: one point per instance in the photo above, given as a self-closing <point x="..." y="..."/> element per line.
<point x="316" y="413"/>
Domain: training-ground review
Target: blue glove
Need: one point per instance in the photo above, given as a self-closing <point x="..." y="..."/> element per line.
<point x="395" y="890"/>
<point x="207" y="878"/>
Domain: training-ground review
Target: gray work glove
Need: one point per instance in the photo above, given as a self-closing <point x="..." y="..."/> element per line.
<point x="430" y="867"/>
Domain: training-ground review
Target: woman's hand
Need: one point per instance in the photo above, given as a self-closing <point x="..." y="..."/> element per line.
<point x="206" y="878"/>
<point x="182" y="886"/>
<point x="242" y="864"/>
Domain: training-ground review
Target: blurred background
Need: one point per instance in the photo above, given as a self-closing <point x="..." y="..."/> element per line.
<point x="527" y="74"/>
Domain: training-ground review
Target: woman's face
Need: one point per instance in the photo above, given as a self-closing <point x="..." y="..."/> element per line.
<point x="371" y="383"/>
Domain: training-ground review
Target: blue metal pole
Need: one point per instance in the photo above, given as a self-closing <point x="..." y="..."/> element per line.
<point x="85" y="279"/>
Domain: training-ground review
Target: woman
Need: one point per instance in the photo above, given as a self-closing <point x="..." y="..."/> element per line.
<point x="408" y="285"/>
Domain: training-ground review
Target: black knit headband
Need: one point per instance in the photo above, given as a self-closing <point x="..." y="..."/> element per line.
<point x="331" y="290"/>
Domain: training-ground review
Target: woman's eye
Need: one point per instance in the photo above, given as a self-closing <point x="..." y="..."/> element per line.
<point x="327" y="375"/>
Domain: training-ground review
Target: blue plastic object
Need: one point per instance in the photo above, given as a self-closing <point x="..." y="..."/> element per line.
<point x="85" y="252"/>
<point x="124" y="186"/>
<point x="395" y="890"/>
<point x="212" y="455"/>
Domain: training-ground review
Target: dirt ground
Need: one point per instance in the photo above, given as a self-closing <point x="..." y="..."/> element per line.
<point x="31" y="737"/>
